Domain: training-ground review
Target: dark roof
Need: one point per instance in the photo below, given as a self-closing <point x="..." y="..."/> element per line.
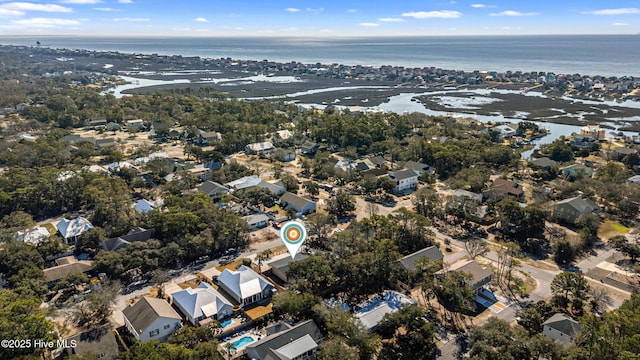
<point x="581" y="205"/>
<point x="404" y="174"/>
<point x="376" y="172"/>
<point x="114" y="244"/>
<point x="431" y="252"/>
<point x="362" y="166"/>
<point x="98" y="341"/>
<point x="283" y="264"/>
<point x="416" y="166"/>
<point x="61" y="271"/>
<point x="543" y="162"/>
<point x="213" y="165"/>
<point x="143" y="313"/>
<point x="309" y="146"/>
<point x="564" y="324"/>
<point x="295" y="200"/>
<point x="378" y="160"/>
<point x="267" y="348"/>
<point x="135" y="234"/>
<point x="211" y="188"/>
<point x="502" y="187"/>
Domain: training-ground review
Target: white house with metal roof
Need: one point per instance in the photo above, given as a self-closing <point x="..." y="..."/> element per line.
<point x="201" y="303"/>
<point x="71" y="229"/>
<point x="245" y="285"/>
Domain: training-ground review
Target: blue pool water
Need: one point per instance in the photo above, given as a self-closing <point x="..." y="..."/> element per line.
<point x="245" y="340"/>
<point x="225" y="323"/>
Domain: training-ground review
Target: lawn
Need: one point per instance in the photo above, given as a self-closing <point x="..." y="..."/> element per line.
<point x="611" y="228"/>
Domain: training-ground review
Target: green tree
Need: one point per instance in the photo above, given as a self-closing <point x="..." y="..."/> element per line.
<point x="570" y="286"/>
<point x="298" y="306"/>
<point x="409" y="333"/>
<point x="341" y="204"/>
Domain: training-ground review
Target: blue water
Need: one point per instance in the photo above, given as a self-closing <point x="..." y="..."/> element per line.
<point x="584" y="54"/>
<point x="225" y="323"/>
<point x="245" y="340"/>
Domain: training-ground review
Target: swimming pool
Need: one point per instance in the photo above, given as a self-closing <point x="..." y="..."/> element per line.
<point x="226" y="323"/>
<point x="243" y="341"/>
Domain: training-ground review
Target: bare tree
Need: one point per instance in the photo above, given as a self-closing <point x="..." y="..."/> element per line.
<point x="372" y="209"/>
<point x="475" y="247"/>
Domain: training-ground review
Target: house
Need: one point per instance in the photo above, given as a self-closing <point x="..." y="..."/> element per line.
<point x="135" y="123"/>
<point x="96" y="343"/>
<point x="301" y="205"/>
<point x="99" y="123"/>
<point x="577" y="171"/>
<point x="243" y="182"/>
<point x="377" y="161"/>
<point x="501" y="188"/>
<point x="467" y="204"/>
<point x="431" y="252"/>
<point x="284" y="155"/>
<point x="561" y="327"/>
<point x="417" y="167"/>
<point x="309" y="147"/>
<point x="280" y="267"/>
<point x="143" y="206"/>
<point x="284" y="134"/>
<point x="277" y="188"/>
<point x="543" y="163"/>
<point x="259" y="148"/>
<point x="372" y="312"/>
<point x="582" y="141"/>
<point x="207" y="137"/>
<point x="593" y="131"/>
<point x="634" y="179"/>
<point x="134" y="235"/>
<point x="245" y="286"/>
<point x="71" y="229"/>
<point x="404" y="180"/>
<point x="621" y="152"/>
<point x="284" y="341"/>
<point x="151" y="319"/>
<point x="65" y="266"/>
<point x="256" y="221"/>
<point x="479" y="276"/>
<point x="32" y="236"/>
<point x="213" y="189"/>
<point x="569" y="210"/>
<point x="113" y="127"/>
<point x="505" y="131"/>
<point x="203" y="302"/>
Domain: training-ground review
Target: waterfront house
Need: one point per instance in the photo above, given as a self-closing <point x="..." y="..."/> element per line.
<point x="245" y="285"/>
<point x="151" y="319"/>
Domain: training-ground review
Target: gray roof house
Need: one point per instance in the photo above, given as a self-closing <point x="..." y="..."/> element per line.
<point x="577" y="170"/>
<point x="261" y="147"/>
<point x="635" y="179"/>
<point x="245" y="285"/>
<point x="284" y="341"/>
<point x="201" y="303"/>
<point x="99" y="343"/>
<point x="134" y="235"/>
<point x="404" y="180"/>
<point x="213" y="189"/>
<point x="479" y="276"/>
<point x="256" y="221"/>
<point x="432" y="253"/>
<point x="569" y="210"/>
<point x="151" y="319"/>
<point x="301" y="205"/>
<point x="561" y="327"/>
<point x="543" y="163"/>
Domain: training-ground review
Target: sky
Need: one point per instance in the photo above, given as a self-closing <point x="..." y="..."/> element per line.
<point x="329" y="18"/>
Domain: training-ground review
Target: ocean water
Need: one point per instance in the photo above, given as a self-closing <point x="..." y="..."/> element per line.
<point x="608" y="55"/>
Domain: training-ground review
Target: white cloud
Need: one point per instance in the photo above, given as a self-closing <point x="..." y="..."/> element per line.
<point x="80" y="1"/>
<point x="292" y="9"/>
<point x="514" y="13"/>
<point x="9" y="12"/>
<point x="443" y="14"/>
<point x="25" y="6"/>
<point x="131" y="19"/>
<point x="368" y="24"/>
<point x="125" y="1"/>
<point x="201" y="19"/>
<point x="391" y="19"/>
<point x="620" y="24"/>
<point x="106" y="9"/>
<point x="238" y="28"/>
<point x="478" y="6"/>
<point x="620" y="11"/>
<point x="45" y="22"/>
<point x="315" y="10"/>
<point x="351" y="11"/>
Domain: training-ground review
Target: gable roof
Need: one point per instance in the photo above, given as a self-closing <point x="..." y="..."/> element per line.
<point x="211" y="188"/>
<point x="244" y="282"/>
<point x="147" y="310"/>
<point x="255" y="219"/>
<point x="294" y="200"/>
<point x="416" y="166"/>
<point x="244" y="182"/>
<point x="403" y="175"/>
<point x="72" y="228"/>
<point x="135" y="234"/>
<point x="261" y="146"/>
<point x="286" y="343"/>
<point x="470" y="267"/>
<point x="579" y="204"/>
<point x="431" y="252"/>
<point x="32" y="236"/>
<point x="467" y="194"/>
<point x="203" y="300"/>
<point x="98" y="341"/>
<point x="277" y="188"/>
<point x="505" y="187"/>
<point x="543" y="162"/>
<point x="70" y="266"/>
<point x="564" y="324"/>
<point x="144" y="205"/>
